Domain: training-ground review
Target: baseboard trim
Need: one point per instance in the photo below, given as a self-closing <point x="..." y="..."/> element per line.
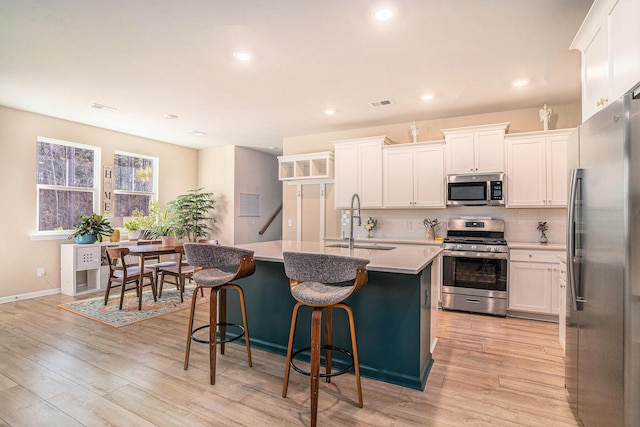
<point x="29" y="295"/>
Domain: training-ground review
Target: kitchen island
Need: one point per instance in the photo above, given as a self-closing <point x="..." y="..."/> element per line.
<point x="392" y="312"/>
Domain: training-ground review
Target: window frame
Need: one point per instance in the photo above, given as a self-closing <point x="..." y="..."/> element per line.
<point x="97" y="151"/>
<point x="155" y="176"/>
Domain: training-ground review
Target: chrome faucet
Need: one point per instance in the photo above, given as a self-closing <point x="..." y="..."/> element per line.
<point x="353" y="216"/>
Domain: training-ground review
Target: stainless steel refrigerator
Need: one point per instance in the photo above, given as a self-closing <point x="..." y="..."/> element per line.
<point x="602" y="364"/>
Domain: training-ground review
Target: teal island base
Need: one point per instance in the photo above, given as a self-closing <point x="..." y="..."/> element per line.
<point x="392" y="320"/>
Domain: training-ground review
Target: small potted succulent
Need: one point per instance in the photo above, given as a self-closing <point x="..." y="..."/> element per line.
<point x="91" y="228"/>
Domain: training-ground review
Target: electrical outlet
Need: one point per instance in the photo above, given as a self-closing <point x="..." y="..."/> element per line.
<point x="39" y="272"/>
<point x="290" y="223"/>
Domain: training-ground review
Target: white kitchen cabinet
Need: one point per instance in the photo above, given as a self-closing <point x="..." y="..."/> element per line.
<point x="358" y="169"/>
<point x="81" y="269"/>
<point x="413" y="176"/>
<point x="534" y="277"/>
<point x="610" y="52"/>
<point x="475" y="149"/>
<point x="562" y="304"/>
<point x="537" y="169"/>
<point x="305" y="166"/>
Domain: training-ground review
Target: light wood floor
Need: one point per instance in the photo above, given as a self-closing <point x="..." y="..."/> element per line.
<point x="59" y="369"/>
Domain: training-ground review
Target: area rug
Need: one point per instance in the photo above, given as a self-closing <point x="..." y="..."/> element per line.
<point x="94" y="308"/>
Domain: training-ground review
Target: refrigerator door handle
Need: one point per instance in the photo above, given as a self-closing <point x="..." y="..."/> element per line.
<point x="576" y="176"/>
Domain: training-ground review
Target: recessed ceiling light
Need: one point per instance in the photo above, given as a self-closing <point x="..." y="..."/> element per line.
<point x="242" y="55"/>
<point x="426" y="97"/>
<point x="196" y="133"/>
<point x="329" y="111"/>
<point x="383" y="14"/>
<point x="103" y="107"/>
<point x="170" y="116"/>
<point x="520" y="83"/>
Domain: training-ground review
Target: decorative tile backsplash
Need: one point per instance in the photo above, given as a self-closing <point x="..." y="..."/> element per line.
<point x="520" y="224"/>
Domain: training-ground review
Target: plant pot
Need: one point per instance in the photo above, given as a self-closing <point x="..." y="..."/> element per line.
<point x="168" y="240"/>
<point x="85" y="239"/>
<point x="429" y="234"/>
<point x="134" y="234"/>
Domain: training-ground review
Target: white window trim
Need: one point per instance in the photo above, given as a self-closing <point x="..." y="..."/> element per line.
<point x="62" y="234"/>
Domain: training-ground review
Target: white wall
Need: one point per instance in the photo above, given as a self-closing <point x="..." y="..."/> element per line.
<point x="257" y="173"/>
<point x="228" y="171"/>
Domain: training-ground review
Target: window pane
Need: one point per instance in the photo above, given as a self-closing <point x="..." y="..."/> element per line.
<point x="65" y="166"/>
<point x="133" y="173"/>
<point x="125" y="204"/>
<point x="60" y="209"/>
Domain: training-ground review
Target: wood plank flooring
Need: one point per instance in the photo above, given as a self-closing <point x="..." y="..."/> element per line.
<point x="60" y="369"/>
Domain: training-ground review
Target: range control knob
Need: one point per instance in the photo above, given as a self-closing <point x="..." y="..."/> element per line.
<point x="491" y="249"/>
<point x="474" y="247"/>
<point x="458" y="246"/>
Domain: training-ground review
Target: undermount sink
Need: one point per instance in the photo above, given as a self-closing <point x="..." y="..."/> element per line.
<point x="371" y="247"/>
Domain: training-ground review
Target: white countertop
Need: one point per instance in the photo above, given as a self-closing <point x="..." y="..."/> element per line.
<point x="402" y="259"/>
<point x="390" y="240"/>
<point x="537" y="246"/>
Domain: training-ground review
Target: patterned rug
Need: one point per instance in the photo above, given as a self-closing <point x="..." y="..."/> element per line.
<point x="94" y="308"/>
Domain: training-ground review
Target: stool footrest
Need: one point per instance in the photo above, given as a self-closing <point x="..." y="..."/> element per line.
<point x="233" y="337"/>
<point x="324" y="347"/>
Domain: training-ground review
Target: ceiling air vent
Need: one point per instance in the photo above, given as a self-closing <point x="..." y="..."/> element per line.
<point x="381" y="103"/>
<point x="103" y="107"/>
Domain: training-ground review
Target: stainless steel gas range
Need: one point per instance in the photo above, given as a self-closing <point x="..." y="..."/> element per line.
<point x="475" y="261"/>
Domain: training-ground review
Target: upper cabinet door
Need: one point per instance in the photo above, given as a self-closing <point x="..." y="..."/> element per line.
<point x="595" y="75"/>
<point x="461" y="152"/>
<point x="370" y="175"/>
<point x="398" y="178"/>
<point x="489" y="151"/>
<point x="526" y="174"/>
<point x="608" y="39"/>
<point x="346" y="174"/>
<point x="557" y="176"/>
<point x="624" y="34"/>
<point x="475" y="149"/>
<point x="429" y="177"/>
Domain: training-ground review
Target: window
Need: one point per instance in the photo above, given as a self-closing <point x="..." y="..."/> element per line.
<point x="135" y="183"/>
<point x="67" y="183"/>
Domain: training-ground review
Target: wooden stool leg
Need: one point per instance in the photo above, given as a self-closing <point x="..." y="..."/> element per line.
<point x="316" y="326"/>
<point x="354" y="346"/>
<point x="213" y="328"/>
<point x="244" y="322"/>
<point x="190" y="329"/>
<point x="292" y="333"/>
<point x="328" y="339"/>
<point x="223" y="317"/>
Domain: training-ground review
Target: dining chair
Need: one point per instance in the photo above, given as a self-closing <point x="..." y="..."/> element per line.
<point x="122" y="274"/>
<point x="180" y="272"/>
<point x="157" y="265"/>
<point x="220" y="267"/>
<point x="323" y="282"/>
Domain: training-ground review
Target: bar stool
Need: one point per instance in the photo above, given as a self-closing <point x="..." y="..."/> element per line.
<point x="319" y="281"/>
<point x="215" y="261"/>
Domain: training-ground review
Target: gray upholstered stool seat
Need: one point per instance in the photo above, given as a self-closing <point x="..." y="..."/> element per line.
<point x="322" y="281"/>
<point x="316" y="293"/>
<point x="220" y="266"/>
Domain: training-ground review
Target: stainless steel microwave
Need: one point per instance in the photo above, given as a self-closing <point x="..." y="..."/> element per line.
<point x="476" y="189"/>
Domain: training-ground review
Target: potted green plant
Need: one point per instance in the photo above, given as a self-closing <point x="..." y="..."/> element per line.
<point x="133" y="228"/>
<point x="190" y="214"/>
<point x="91" y="228"/>
<point x="164" y="227"/>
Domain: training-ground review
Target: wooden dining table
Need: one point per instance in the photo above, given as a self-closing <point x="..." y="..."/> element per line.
<point x="142" y="251"/>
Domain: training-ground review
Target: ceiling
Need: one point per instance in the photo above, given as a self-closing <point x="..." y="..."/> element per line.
<point x="149" y="59"/>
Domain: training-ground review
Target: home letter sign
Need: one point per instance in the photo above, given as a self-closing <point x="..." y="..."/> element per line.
<point x="107" y="191"/>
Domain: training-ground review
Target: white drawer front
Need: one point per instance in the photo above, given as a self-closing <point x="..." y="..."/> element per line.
<point x="533" y="255"/>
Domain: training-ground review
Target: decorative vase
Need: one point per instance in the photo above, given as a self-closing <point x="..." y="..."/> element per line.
<point x="134" y="234"/>
<point x="429" y="234"/>
<point x="85" y="239"/>
<point x="115" y="236"/>
<point x="543" y="238"/>
<point x="369" y="233"/>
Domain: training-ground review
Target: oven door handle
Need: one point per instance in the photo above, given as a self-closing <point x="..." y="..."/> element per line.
<point x="466" y="254"/>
